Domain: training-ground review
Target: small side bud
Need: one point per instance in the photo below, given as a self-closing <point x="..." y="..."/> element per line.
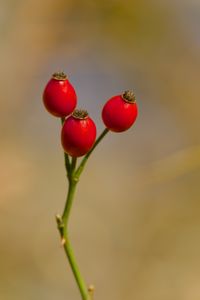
<point x="91" y="288"/>
<point x="91" y="291"/>
<point x="63" y="242"/>
<point x="59" y="221"/>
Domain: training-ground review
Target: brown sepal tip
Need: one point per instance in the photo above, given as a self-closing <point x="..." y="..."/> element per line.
<point x="59" y="76"/>
<point x="80" y="114"/>
<point x="129" y="96"/>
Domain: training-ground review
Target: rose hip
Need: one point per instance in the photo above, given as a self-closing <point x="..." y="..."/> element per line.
<point x="59" y="96"/>
<point x="78" y="133"/>
<point x="120" y="112"/>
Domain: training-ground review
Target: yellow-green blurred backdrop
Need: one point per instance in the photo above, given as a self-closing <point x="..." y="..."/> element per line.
<point x="135" y="223"/>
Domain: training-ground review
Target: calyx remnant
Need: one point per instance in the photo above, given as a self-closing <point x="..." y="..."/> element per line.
<point x="59" y="76"/>
<point x="128" y="96"/>
<point x="80" y="114"/>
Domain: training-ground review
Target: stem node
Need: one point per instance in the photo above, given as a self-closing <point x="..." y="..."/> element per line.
<point x="75" y="179"/>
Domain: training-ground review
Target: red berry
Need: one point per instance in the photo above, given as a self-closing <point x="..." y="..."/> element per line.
<point x="120" y="112"/>
<point x="78" y="133"/>
<point x="59" y="96"/>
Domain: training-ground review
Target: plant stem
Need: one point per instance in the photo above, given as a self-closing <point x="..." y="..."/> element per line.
<point x="62" y="222"/>
<point x="63" y="225"/>
<point x="79" y="280"/>
<point x="71" y="258"/>
<point x="70" y="195"/>
<point x="84" y="160"/>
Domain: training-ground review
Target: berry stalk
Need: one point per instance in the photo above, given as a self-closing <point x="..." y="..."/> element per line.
<point x="66" y="156"/>
<point x="84" y="160"/>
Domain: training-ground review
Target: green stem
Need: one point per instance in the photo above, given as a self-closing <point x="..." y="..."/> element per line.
<point x="79" y="280"/>
<point x="84" y="160"/>
<point x="63" y="225"/>
<point x="69" y="200"/>
<point x="62" y="222"/>
<point x="71" y="258"/>
<point x="66" y="156"/>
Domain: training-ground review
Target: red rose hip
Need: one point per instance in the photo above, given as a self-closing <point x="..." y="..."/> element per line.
<point x="120" y="112"/>
<point x="59" y="96"/>
<point x="78" y="133"/>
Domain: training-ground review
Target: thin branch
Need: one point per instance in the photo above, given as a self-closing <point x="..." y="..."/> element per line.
<point x="84" y="160"/>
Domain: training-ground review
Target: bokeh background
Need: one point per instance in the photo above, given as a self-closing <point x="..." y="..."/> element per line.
<point x="135" y="223"/>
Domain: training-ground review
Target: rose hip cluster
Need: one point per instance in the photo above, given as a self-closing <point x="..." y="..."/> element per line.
<point x="79" y="130"/>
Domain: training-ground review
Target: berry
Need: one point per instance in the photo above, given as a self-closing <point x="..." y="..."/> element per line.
<point x="78" y="133"/>
<point x="59" y="96"/>
<point x="120" y="112"/>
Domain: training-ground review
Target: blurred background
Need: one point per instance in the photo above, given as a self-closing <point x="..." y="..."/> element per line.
<point x="135" y="223"/>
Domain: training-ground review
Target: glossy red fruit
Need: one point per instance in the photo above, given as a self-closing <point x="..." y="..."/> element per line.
<point x="78" y="133"/>
<point x="59" y="96"/>
<point x="120" y="112"/>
